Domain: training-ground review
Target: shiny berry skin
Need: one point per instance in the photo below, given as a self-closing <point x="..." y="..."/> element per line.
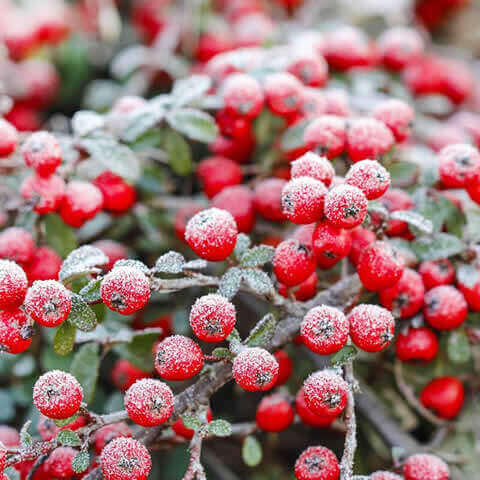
<point x="125" y="374"/>
<point x="179" y="428"/>
<point x="370" y="177"/>
<point x="8" y="138"/>
<point x="303" y="291"/>
<point x="423" y="466"/>
<point x="456" y="163"/>
<point x="81" y="202"/>
<point x="243" y="96"/>
<point x="106" y="434"/>
<point x="44" y="265"/>
<point x="113" y="250"/>
<point x="274" y="413"/>
<point x="367" y="138"/>
<point x="125" y="290"/>
<point x="17" y="244"/>
<point x="317" y="463"/>
<point x="371" y="327"/>
<point x="445" y="307"/>
<point x="382" y="475"/>
<point x="307" y="416"/>
<point x="416" y="344"/>
<point x="325" y="393"/>
<point x="238" y="200"/>
<point x="324" y="330"/>
<point x="302" y="200"/>
<point x="42" y="152"/>
<point x="48" y="303"/>
<point x="118" y="195"/>
<point x="149" y="402"/>
<point x="268" y="199"/>
<point x="473" y="187"/>
<point x="443" y="395"/>
<point x="283" y="93"/>
<point x="293" y="262"/>
<point x="311" y="70"/>
<point x="212" y="318"/>
<point x="13" y="285"/>
<point x="233" y="125"/>
<point x="212" y="234"/>
<point x="312" y="165"/>
<point x="326" y="136"/>
<point x="361" y="238"/>
<point x="345" y="206"/>
<point x="182" y="217"/>
<point x="437" y="272"/>
<point x="178" y="358"/>
<point x="405" y="298"/>
<point x="46" y="192"/>
<point x="330" y="244"/>
<point x="394" y="200"/>
<point x="380" y="266"/>
<point x="255" y="369"/>
<point x="398" y="47"/>
<point x="397" y="115"/>
<point x="285" y="367"/>
<point x="216" y="173"/>
<point x="59" y="463"/>
<point x="125" y="459"/>
<point x="57" y="394"/>
<point x="15" y="331"/>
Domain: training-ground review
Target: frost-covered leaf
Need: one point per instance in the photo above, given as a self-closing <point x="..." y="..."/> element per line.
<point x="59" y="235"/>
<point x="64" y="338"/>
<point x="130" y="263"/>
<point x="347" y="353"/>
<point x="138" y="349"/>
<point x="12" y="473"/>
<point x="402" y="173"/>
<point x="472" y="229"/>
<point x="84" y="368"/>
<point x="62" y="422"/>
<point x="140" y="122"/>
<point x="293" y="136"/>
<point x="234" y="342"/>
<point x="222" y="352"/>
<point x="458" y="346"/>
<point x="257" y="256"/>
<point x="442" y="245"/>
<point x="91" y="291"/>
<point x="241" y="246"/>
<point x="251" y="451"/>
<point x="81" y="315"/>
<point x="82" y="261"/>
<point x="230" y="282"/>
<point x="197" y="264"/>
<point x="195" y="124"/>
<point x="68" y="438"/>
<point x="413" y="218"/>
<point x="81" y="462"/>
<point x="263" y="331"/>
<point x="170" y="262"/>
<point x="189" y="89"/>
<point x="258" y="281"/>
<point x="467" y="274"/>
<point x="378" y="209"/>
<point x="26" y="439"/>
<point x="179" y="153"/>
<point x="84" y="122"/>
<point x="191" y="422"/>
<point x="128" y="60"/>
<point x="220" y="428"/>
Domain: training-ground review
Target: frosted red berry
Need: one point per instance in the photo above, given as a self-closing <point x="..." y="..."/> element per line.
<point x="330" y="244"/>
<point x="125" y="290"/>
<point x="17" y="244"/>
<point x="443" y="395"/>
<point x="399" y="46"/>
<point x="361" y="238"/>
<point x="416" y="344"/>
<point x="326" y="393"/>
<point x="324" y="330"/>
<point x="380" y="266"/>
<point x="345" y="206"/>
<point x="216" y="173"/>
<point x="125" y="459"/>
<point x="118" y="195"/>
<point x="44" y="265"/>
<point x="274" y="413"/>
<point x="456" y="163"/>
<point x="81" y="202"/>
<point x="370" y="177"/>
<point x="445" y="307"/>
<point x="317" y="463"/>
<point x="182" y="217"/>
<point x="8" y="138"/>
<point x="13" y="285"/>
<point x="255" y="369"/>
<point x="42" y="152"/>
<point x="238" y="200"/>
<point x="437" y="272"/>
<point x="382" y="475"/>
<point x="59" y="463"/>
<point x="179" y="428"/>
<point x="57" y="394"/>
<point x="293" y="262"/>
<point x="424" y="465"/>
<point x="106" y="434"/>
<point x="268" y="199"/>
<point x="326" y="135"/>
<point x="397" y="115"/>
<point x="212" y="234"/>
<point x="212" y="318"/>
<point x="178" y="358"/>
<point x="283" y="93"/>
<point x="46" y="192"/>
<point x="371" y="327"/>
<point x="125" y="374"/>
<point x="394" y="200"/>
<point x="243" y="96"/>
<point x="311" y="70"/>
<point x="149" y="402"/>
<point x="285" y="367"/>
<point x="367" y="138"/>
<point x="15" y="331"/>
<point x="113" y="250"/>
<point x="312" y="165"/>
<point x="307" y="416"/>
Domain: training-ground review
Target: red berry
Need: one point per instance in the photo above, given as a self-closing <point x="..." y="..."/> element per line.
<point x="48" y="303"/>
<point x="317" y="463"/>
<point x="178" y="358"/>
<point x="397" y="115"/>
<point x="285" y="367"/>
<point x="330" y="244"/>
<point x="399" y="46"/>
<point x="380" y="266"/>
<point x="268" y="199"/>
<point x="17" y="244"/>
<point x="324" y="330"/>
<point x="423" y="466"/>
<point x="255" y="369"/>
<point x="368" y="138"/>
<point x="59" y="463"/>
<point x="443" y="395"/>
<point x="371" y="327"/>
<point x="303" y="291"/>
<point x="416" y="344"/>
<point x="238" y="200"/>
<point x="302" y="200"/>
<point x="311" y="70"/>
<point x="326" y="393"/>
<point x="42" y="152"/>
<point x="179" y="428"/>
<point x="8" y="138"/>
<point x="243" y="96"/>
<point x="283" y="93"/>
<point x="307" y="416"/>
<point x="118" y="195"/>
<point x="182" y="217"/>
<point x="456" y="164"/>
<point x="233" y="125"/>
<point x="312" y="165"/>
<point x="9" y="437"/>
<point x="326" y="136"/>
<point x="125" y="290"/>
<point x="473" y="187"/>
<point x="13" y="285"/>
<point x="370" y="177"/>
<point x="445" y="307"/>
<point x="57" y="394"/>
<point x="44" y="265"/>
<point x="125" y="459"/>
<point x="274" y="413"/>
<point x="385" y="476"/>
<point x="216" y="173"/>
<point x="345" y="206"/>
<point x="394" y="200"/>
<point x="293" y="262"/>
<point x="149" y="402"/>
<point x="82" y="201"/>
<point x="113" y="250"/>
<point x="124" y="374"/>
<point x="15" y="331"/>
<point x="106" y="434"/>
<point x="437" y="272"/>
<point x="239" y="149"/>
<point x="47" y="193"/>
<point x="3" y="457"/>
<point x="211" y="44"/>
<point x="212" y="234"/>
<point x="361" y="238"/>
<point x="212" y="318"/>
<point x="405" y="298"/>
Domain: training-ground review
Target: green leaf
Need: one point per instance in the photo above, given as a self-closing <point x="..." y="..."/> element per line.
<point x="263" y="331"/>
<point x="251" y="451"/>
<point x="230" y="282"/>
<point x="258" y="281"/>
<point x="347" y="353"/>
<point x="222" y="352"/>
<point x="26" y="439"/>
<point x="402" y="173"/>
<point x="458" y="347"/>
<point x="139" y="350"/>
<point x="293" y="136"/>
<point x="179" y="153"/>
<point x="59" y="235"/>
<point x="85" y="122"/>
<point x="81" y="462"/>
<point x="68" y="438"/>
<point x="91" y="291"/>
<point x="220" y="428"/>
<point x="195" y="124"/>
<point x="241" y="246"/>
<point x="8" y="411"/>
<point x="472" y="230"/>
<point x="11" y="473"/>
<point x="257" y="256"/>
<point x="64" y="339"/>
<point x="82" y="261"/>
<point x="442" y="245"/>
<point x="170" y="262"/>
<point x="140" y="122"/>
<point x="191" y="422"/>
<point x="415" y="219"/>
<point x="81" y="315"/>
<point x="62" y="422"/>
<point x="467" y="274"/>
<point x="85" y="365"/>
<point x="189" y="89"/>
